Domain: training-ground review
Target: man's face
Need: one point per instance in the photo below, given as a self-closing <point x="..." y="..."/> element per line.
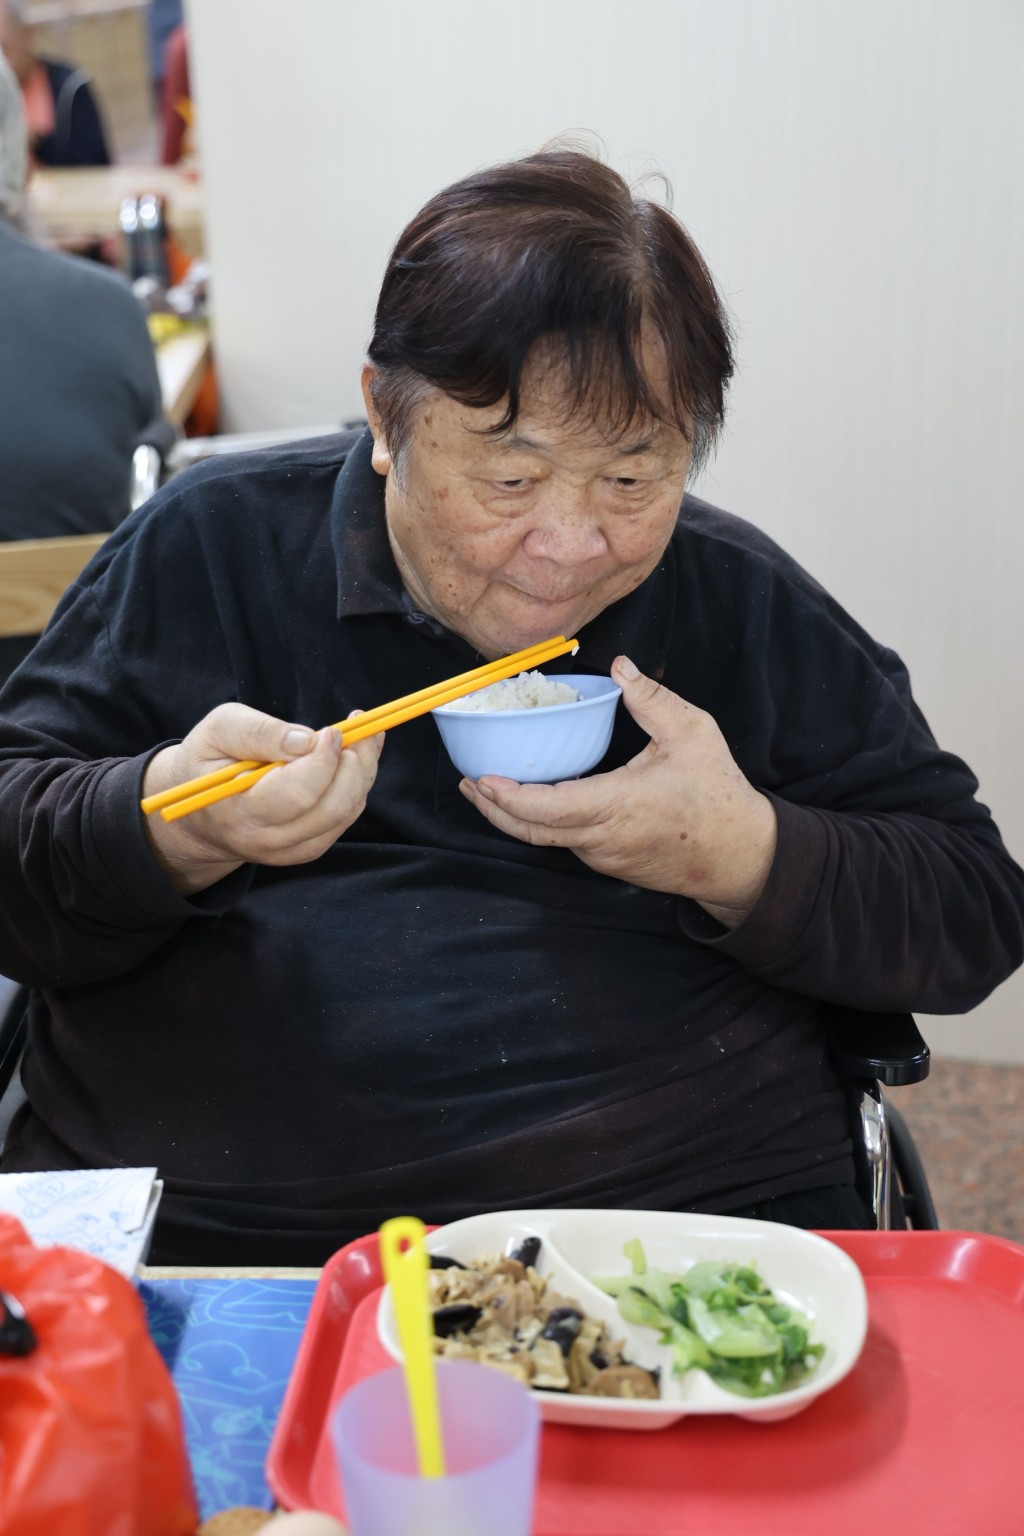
<point x="509" y="540"/>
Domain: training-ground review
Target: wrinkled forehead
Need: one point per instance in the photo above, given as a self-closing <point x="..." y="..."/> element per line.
<point x="596" y="408"/>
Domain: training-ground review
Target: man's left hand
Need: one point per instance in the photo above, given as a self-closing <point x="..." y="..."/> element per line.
<point x="679" y="817"/>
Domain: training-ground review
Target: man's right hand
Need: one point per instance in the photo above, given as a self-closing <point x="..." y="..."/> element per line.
<point x="290" y="816"/>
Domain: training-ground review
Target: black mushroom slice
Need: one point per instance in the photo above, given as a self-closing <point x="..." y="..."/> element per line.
<point x="527" y="1251"/>
<point x="460" y="1317"/>
<point x="561" y="1326"/>
<point x="441" y="1261"/>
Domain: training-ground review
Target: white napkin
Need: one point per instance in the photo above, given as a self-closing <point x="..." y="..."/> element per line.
<point x="109" y="1212"/>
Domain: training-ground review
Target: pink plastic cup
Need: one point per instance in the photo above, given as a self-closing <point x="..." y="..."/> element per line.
<point x="490" y="1426"/>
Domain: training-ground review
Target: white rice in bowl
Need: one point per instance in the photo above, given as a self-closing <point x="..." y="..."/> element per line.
<point x="530" y="690"/>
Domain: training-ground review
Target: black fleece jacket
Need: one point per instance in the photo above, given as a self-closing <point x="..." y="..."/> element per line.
<point x="432" y="1016"/>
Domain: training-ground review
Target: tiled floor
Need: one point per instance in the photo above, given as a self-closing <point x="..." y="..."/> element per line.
<point x="967" y="1120"/>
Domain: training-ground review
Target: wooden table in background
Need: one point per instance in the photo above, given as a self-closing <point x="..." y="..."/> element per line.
<point x="83" y="203"/>
<point x="181" y="363"/>
<point x="34" y="574"/>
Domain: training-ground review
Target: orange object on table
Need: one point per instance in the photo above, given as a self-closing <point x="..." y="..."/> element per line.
<point x="91" y="1440"/>
<point x="204" y="418"/>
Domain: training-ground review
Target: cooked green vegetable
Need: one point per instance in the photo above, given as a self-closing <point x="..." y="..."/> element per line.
<point x="720" y="1318"/>
<point x="634" y="1251"/>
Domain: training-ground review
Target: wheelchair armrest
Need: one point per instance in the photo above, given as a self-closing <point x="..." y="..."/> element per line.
<point x="13" y="1028"/>
<point x="887" y="1047"/>
<point x="147" y="468"/>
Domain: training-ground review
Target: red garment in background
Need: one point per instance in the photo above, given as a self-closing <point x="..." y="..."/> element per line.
<point x="176" y="99"/>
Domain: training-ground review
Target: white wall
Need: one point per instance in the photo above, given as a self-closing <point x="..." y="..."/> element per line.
<point x="852" y="170"/>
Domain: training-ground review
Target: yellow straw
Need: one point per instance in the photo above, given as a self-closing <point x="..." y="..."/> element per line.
<point x="183" y="799"/>
<point x="406" y="1265"/>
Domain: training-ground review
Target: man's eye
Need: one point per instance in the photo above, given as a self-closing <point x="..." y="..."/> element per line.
<point x="512" y="485"/>
<point x="626" y="482"/>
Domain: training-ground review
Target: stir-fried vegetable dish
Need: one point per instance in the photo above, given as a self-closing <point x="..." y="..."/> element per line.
<point x="720" y="1318"/>
<point x="501" y="1312"/>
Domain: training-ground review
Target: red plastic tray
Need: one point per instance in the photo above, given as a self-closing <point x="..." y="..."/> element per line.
<point x="925" y="1436"/>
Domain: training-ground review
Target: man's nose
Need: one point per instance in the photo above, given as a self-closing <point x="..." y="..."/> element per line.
<point x="566" y="538"/>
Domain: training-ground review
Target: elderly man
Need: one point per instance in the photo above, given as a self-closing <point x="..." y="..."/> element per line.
<point x="364" y="986"/>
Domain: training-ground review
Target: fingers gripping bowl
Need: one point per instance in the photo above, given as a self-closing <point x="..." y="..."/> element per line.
<point x="540" y="743"/>
<point x="805" y="1273"/>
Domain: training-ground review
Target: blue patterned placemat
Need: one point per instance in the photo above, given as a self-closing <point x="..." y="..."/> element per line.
<point x="230" y="1346"/>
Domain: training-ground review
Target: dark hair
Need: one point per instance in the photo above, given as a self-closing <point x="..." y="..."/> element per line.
<point x="553" y="247"/>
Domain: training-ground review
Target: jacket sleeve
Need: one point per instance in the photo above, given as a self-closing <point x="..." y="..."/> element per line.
<point x="83" y="897"/>
<point x="891" y="888"/>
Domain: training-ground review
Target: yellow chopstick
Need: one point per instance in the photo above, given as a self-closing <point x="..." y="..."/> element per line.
<point x="183" y="799"/>
<point x="478" y="677"/>
<point x="358" y="729"/>
<point x="475" y="678"/>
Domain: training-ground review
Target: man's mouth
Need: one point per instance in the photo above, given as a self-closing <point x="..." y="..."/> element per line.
<point x="551" y="599"/>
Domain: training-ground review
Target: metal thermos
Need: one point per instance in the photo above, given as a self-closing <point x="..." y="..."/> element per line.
<point x="144" y="238"/>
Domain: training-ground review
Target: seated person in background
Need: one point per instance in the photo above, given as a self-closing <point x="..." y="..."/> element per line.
<point x="64" y="123"/>
<point x="78" y="386"/>
<point x="365" y="986"/>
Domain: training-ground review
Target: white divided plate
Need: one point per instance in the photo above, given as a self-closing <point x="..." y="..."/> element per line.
<point x="804" y="1271"/>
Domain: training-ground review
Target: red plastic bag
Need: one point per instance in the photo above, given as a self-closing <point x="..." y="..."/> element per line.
<point x="91" y="1442"/>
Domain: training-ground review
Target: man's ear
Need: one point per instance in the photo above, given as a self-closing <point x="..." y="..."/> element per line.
<point x="381" y="459"/>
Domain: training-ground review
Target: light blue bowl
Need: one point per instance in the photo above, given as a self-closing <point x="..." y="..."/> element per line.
<point x="534" y="746"/>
